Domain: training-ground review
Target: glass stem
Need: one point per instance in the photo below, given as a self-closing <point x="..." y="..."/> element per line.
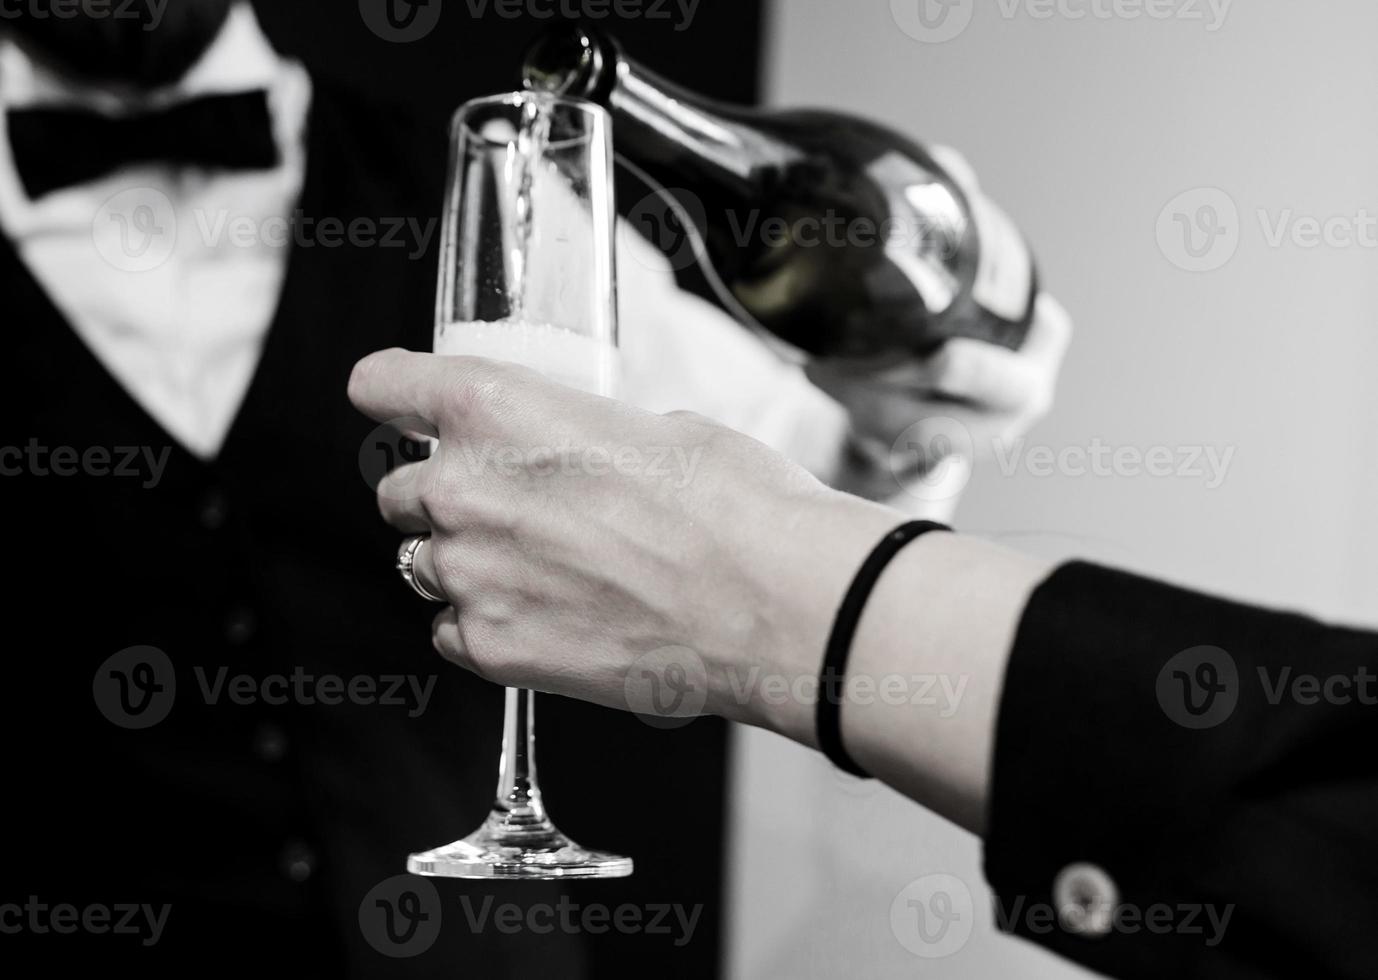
<point x="519" y="796"/>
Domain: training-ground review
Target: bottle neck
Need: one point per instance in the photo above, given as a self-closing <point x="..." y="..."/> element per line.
<point x="679" y="139"/>
<point x="675" y="137"/>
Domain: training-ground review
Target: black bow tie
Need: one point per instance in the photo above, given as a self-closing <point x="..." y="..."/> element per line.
<point x="56" y="148"/>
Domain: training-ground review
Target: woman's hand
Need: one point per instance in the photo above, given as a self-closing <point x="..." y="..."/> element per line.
<point x="668" y="565"/>
<point x="576" y="536"/>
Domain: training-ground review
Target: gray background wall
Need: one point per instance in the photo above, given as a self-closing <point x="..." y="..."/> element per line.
<point x="1085" y="129"/>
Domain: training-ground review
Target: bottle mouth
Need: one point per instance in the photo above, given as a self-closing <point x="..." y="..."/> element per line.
<point x="565" y="61"/>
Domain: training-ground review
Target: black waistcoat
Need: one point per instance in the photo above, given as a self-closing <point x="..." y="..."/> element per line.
<point x="263" y="826"/>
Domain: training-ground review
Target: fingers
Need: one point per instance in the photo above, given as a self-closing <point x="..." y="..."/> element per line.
<point x="423" y="567"/>
<point x="998" y="379"/>
<point x="447" y="638"/>
<point x="399" y="498"/>
<point x="957" y="167"/>
<point x="1003" y="380"/>
<point x="403" y="385"/>
<point x="393" y="384"/>
<point x="1050" y="335"/>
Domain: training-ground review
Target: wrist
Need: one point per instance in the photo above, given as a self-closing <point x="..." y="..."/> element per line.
<point x="932" y="647"/>
<point x="809" y="563"/>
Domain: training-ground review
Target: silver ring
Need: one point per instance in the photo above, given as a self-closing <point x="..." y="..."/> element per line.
<point x="406" y="567"/>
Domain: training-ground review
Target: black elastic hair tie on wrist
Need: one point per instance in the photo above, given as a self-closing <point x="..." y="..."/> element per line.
<point x="828" y="719"/>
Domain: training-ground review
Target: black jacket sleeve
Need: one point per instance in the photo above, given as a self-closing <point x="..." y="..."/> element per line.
<point x="1186" y="787"/>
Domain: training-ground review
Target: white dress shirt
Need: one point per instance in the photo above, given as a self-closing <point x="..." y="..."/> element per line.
<point x="142" y="262"/>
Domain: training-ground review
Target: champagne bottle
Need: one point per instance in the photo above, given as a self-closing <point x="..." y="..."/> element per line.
<point x="837" y="235"/>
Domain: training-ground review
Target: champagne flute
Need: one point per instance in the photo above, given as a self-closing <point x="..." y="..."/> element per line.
<point x="527" y="275"/>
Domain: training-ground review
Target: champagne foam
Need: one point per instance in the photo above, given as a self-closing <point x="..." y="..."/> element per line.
<point x="562" y="355"/>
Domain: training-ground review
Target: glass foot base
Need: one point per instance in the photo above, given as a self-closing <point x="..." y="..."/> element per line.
<point x="498" y="850"/>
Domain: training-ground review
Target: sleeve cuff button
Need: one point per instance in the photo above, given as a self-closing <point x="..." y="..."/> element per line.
<point x="1086" y="899"/>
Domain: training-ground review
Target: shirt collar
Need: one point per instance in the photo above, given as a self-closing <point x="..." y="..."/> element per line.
<point x="240" y="59"/>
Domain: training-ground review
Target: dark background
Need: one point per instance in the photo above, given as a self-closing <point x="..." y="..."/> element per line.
<point x="466" y="56"/>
